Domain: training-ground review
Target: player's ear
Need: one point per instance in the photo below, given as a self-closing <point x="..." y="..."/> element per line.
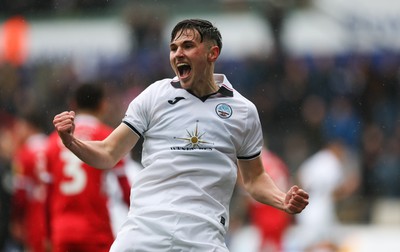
<point x="213" y="53"/>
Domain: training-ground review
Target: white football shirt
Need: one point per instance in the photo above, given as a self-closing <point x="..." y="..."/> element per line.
<point x="190" y="149"/>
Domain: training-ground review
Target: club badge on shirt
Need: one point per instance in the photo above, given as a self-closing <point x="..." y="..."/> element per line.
<point x="223" y="110"/>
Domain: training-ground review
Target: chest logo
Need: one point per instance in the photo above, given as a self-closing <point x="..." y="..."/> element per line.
<point x="223" y="110"/>
<point x="175" y="100"/>
<point x="194" y="140"/>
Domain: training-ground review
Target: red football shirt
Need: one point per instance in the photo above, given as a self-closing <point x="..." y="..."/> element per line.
<point x="79" y="193"/>
<point x="30" y="192"/>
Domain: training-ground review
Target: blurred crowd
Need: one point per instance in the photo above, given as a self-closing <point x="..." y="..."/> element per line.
<point x="305" y="104"/>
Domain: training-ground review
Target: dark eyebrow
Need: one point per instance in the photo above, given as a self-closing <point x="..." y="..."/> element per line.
<point x="188" y="42"/>
<point x="185" y="42"/>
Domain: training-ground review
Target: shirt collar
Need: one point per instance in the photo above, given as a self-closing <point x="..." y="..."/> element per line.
<point x="225" y="87"/>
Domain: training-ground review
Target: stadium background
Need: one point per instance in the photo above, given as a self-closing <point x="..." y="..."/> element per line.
<point x="315" y="69"/>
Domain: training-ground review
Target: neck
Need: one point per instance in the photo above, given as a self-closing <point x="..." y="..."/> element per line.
<point x="205" y="86"/>
<point x="205" y="89"/>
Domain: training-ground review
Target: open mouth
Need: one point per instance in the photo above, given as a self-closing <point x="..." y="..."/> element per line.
<point x="183" y="70"/>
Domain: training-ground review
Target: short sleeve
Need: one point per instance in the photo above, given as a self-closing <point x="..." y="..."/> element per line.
<point x="137" y="114"/>
<point x="253" y="136"/>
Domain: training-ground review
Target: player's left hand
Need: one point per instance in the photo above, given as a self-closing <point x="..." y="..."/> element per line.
<point x="296" y="200"/>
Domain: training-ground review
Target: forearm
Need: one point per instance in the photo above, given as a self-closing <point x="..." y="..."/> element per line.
<point x="99" y="154"/>
<point x="94" y="153"/>
<point x="106" y="153"/>
<point x="263" y="189"/>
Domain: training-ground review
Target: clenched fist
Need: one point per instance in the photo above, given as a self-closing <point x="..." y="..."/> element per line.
<point x="65" y="126"/>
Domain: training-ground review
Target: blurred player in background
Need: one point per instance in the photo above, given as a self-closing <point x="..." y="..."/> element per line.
<point x="329" y="175"/>
<point x="80" y="196"/>
<point x="28" y="222"/>
<point x="197" y="131"/>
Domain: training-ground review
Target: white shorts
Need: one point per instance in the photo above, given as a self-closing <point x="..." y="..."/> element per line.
<point x="177" y="232"/>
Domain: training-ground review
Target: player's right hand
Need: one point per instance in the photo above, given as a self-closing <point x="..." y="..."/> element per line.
<point x="65" y="126"/>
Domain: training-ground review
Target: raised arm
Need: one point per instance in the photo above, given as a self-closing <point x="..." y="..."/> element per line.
<point x="100" y="154"/>
<point x="263" y="189"/>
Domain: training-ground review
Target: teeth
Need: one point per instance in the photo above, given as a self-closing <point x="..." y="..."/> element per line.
<point x="181" y="64"/>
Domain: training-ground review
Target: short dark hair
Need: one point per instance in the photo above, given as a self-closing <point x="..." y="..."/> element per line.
<point x="89" y="96"/>
<point x="205" y="28"/>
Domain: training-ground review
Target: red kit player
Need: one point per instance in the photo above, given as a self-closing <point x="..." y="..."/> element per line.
<point x="28" y="218"/>
<point x="80" y="195"/>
